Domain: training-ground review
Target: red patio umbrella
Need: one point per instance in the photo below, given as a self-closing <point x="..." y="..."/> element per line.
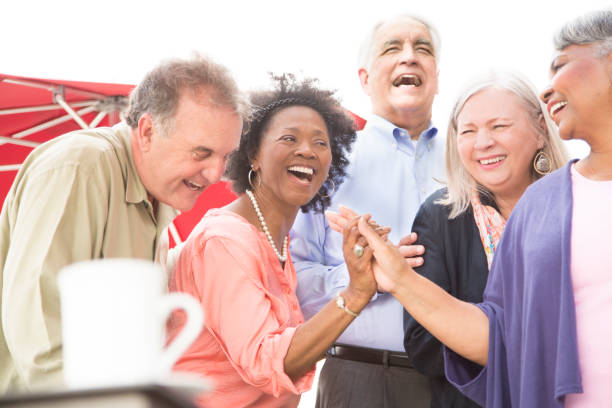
<point x="34" y="110"/>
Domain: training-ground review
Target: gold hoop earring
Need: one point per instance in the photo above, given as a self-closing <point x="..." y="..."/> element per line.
<point x="541" y="163"/>
<point x="332" y="191"/>
<point x="251" y="171"/>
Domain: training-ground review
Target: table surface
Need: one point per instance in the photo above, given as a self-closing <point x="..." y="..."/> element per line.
<point x="136" y="396"/>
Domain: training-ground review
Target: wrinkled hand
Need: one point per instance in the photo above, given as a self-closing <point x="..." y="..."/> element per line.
<point x="339" y="220"/>
<point x="412" y="253"/>
<point x="362" y="282"/>
<point x="388" y="264"/>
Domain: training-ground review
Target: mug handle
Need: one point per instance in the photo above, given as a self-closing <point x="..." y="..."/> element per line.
<point x="190" y="331"/>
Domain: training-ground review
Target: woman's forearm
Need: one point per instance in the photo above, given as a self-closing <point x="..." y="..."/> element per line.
<point x="313" y="338"/>
<point x="460" y="325"/>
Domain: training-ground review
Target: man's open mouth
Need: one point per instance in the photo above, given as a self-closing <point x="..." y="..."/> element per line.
<point x="408" y="80"/>
<point x="193" y="186"/>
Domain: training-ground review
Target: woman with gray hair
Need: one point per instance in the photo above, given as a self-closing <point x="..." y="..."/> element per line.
<point x="542" y="330"/>
<point x="499" y="142"/>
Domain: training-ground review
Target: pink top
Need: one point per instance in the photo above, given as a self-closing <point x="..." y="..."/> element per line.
<point x="250" y="309"/>
<point x="591" y="270"/>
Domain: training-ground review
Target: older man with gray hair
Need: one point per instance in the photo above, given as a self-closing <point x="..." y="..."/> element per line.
<point x="106" y="193"/>
<point x="395" y="163"/>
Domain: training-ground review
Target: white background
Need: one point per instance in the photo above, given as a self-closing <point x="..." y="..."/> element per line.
<point x="118" y="41"/>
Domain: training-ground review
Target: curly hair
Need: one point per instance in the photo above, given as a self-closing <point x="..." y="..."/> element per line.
<point x="288" y="91"/>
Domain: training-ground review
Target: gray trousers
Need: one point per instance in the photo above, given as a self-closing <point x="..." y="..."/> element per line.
<point x="352" y="384"/>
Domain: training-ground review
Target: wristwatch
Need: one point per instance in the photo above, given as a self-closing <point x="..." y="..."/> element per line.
<point x="342" y="305"/>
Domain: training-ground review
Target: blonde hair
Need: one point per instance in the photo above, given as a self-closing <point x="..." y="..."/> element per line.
<point x="460" y="183"/>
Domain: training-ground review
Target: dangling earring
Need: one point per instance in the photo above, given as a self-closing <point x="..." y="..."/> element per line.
<point x="332" y="191"/>
<point x="541" y="163"/>
<point x="251" y="172"/>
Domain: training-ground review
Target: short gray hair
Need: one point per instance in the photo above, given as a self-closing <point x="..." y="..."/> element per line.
<point x="460" y="183"/>
<point x="158" y="93"/>
<point x="591" y="28"/>
<point x="365" y="51"/>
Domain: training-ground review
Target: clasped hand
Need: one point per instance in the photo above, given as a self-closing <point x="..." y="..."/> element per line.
<point x="380" y="257"/>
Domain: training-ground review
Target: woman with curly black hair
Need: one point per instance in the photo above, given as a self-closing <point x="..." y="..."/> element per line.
<point x="289" y="92"/>
<point x="256" y="346"/>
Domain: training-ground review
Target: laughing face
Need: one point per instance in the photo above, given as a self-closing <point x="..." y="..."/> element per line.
<point x="580" y="93"/>
<point x="497" y="141"/>
<point x="177" y="167"/>
<point x="294" y="156"/>
<point x="402" y="76"/>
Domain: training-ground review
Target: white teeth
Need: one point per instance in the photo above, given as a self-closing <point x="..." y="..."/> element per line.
<point x="193" y="186"/>
<point x="493" y="160"/>
<point x="300" y="169"/>
<point x="556" y="107"/>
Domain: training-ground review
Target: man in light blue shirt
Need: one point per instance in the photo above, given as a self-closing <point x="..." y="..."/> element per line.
<point x="396" y="162"/>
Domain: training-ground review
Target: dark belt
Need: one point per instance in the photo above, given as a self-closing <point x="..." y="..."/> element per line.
<point x="369" y="355"/>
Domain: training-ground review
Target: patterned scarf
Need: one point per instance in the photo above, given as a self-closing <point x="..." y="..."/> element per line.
<point x="490" y="225"/>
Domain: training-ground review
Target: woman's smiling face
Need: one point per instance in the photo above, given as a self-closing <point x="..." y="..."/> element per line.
<point x="579" y="96"/>
<point x="294" y="155"/>
<point x="497" y="141"/>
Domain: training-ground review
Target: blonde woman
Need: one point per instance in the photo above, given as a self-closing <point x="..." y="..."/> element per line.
<point x="500" y="140"/>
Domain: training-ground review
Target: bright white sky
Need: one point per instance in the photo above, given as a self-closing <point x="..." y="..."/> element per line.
<point x="118" y="41"/>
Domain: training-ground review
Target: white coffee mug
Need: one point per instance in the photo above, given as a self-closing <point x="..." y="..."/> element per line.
<point x="114" y="314"/>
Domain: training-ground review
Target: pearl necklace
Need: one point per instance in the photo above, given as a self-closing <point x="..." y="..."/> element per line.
<point x="281" y="257"/>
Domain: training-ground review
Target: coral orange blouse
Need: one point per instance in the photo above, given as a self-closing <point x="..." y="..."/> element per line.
<point x="250" y="310"/>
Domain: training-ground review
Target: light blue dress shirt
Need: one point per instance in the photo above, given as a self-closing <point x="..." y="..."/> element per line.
<point x="389" y="176"/>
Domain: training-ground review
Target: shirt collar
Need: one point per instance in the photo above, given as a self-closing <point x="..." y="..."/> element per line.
<point x="135" y="191"/>
<point x="383" y="125"/>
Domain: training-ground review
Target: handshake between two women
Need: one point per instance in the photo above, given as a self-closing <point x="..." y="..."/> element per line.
<point x="373" y="260"/>
<point x="368" y="252"/>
